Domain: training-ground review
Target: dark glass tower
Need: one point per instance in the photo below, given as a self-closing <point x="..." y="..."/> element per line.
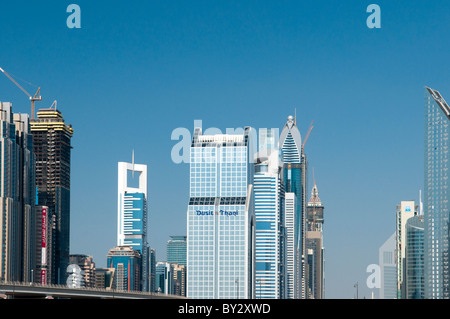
<point x="51" y="143"/>
<point x="16" y="196"/>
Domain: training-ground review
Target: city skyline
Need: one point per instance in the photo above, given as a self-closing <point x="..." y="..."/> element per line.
<point x="128" y="83"/>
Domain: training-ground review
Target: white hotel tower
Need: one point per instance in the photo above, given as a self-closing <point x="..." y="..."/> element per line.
<point x="270" y="276"/>
<point x="220" y="218"/>
<point x="132" y="212"/>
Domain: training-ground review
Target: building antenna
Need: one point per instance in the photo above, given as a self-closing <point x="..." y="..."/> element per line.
<point x="132" y="162"/>
<point x="295" y="115"/>
<point x="54" y="104"/>
<point x="420" y="203"/>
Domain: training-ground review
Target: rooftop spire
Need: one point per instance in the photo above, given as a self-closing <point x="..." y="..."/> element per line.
<point x="314" y="200"/>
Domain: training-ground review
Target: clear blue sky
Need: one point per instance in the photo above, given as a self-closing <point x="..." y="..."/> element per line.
<point x="135" y="72"/>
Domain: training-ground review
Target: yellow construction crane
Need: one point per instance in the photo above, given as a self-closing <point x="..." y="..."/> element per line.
<point x="36" y="97"/>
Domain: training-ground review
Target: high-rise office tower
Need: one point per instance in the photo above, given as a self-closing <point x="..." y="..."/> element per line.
<point x="269" y="227"/>
<point x="17" y="196"/>
<point x="127" y="264"/>
<point x="294" y="178"/>
<point x="405" y="211"/>
<point x="132" y="212"/>
<point x="414" y="266"/>
<point x="176" y="250"/>
<point x="315" y="264"/>
<point x="388" y="268"/>
<point x="436" y="195"/>
<point x="51" y="144"/>
<point x="220" y="218"/>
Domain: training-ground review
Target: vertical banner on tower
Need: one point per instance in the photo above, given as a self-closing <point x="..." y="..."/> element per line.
<point x="44" y="246"/>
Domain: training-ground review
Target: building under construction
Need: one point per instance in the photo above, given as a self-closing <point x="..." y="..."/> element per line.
<point x="51" y="145"/>
<point x="315" y="280"/>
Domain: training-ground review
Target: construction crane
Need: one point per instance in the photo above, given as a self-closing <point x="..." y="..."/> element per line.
<point x="307" y="135"/>
<point x="36" y="97"/>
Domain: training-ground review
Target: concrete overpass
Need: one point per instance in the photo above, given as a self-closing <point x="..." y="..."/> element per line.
<point x="20" y="290"/>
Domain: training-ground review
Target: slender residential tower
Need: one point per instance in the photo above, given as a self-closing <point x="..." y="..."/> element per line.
<point x="436" y="195"/>
<point x="132" y="212"/>
<point x="294" y="172"/>
<point x="405" y="211"/>
<point x="269" y="230"/>
<point x="51" y="144"/>
<point x="220" y="218"/>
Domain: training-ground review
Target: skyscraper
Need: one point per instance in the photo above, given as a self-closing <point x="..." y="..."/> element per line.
<point x="220" y="218"/>
<point x="17" y="196"/>
<point x="132" y="213"/>
<point x="176" y="250"/>
<point x="414" y="266"/>
<point x="315" y="264"/>
<point x="436" y="195"/>
<point x="405" y="211"/>
<point x="294" y="178"/>
<point x="269" y="229"/>
<point x="51" y="145"/>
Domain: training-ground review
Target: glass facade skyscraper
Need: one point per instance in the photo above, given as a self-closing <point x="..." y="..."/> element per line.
<point x="220" y="217"/>
<point x="436" y="195"/>
<point x="17" y="196"/>
<point x="176" y="250"/>
<point x="414" y="274"/>
<point x="294" y="172"/>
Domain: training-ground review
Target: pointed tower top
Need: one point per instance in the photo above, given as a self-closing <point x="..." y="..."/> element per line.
<point x="314" y="200"/>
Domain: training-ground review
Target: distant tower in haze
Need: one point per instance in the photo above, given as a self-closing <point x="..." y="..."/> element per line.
<point x="176" y="250"/>
<point x="388" y="268"/>
<point x="132" y="212"/>
<point x="52" y="148"/>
